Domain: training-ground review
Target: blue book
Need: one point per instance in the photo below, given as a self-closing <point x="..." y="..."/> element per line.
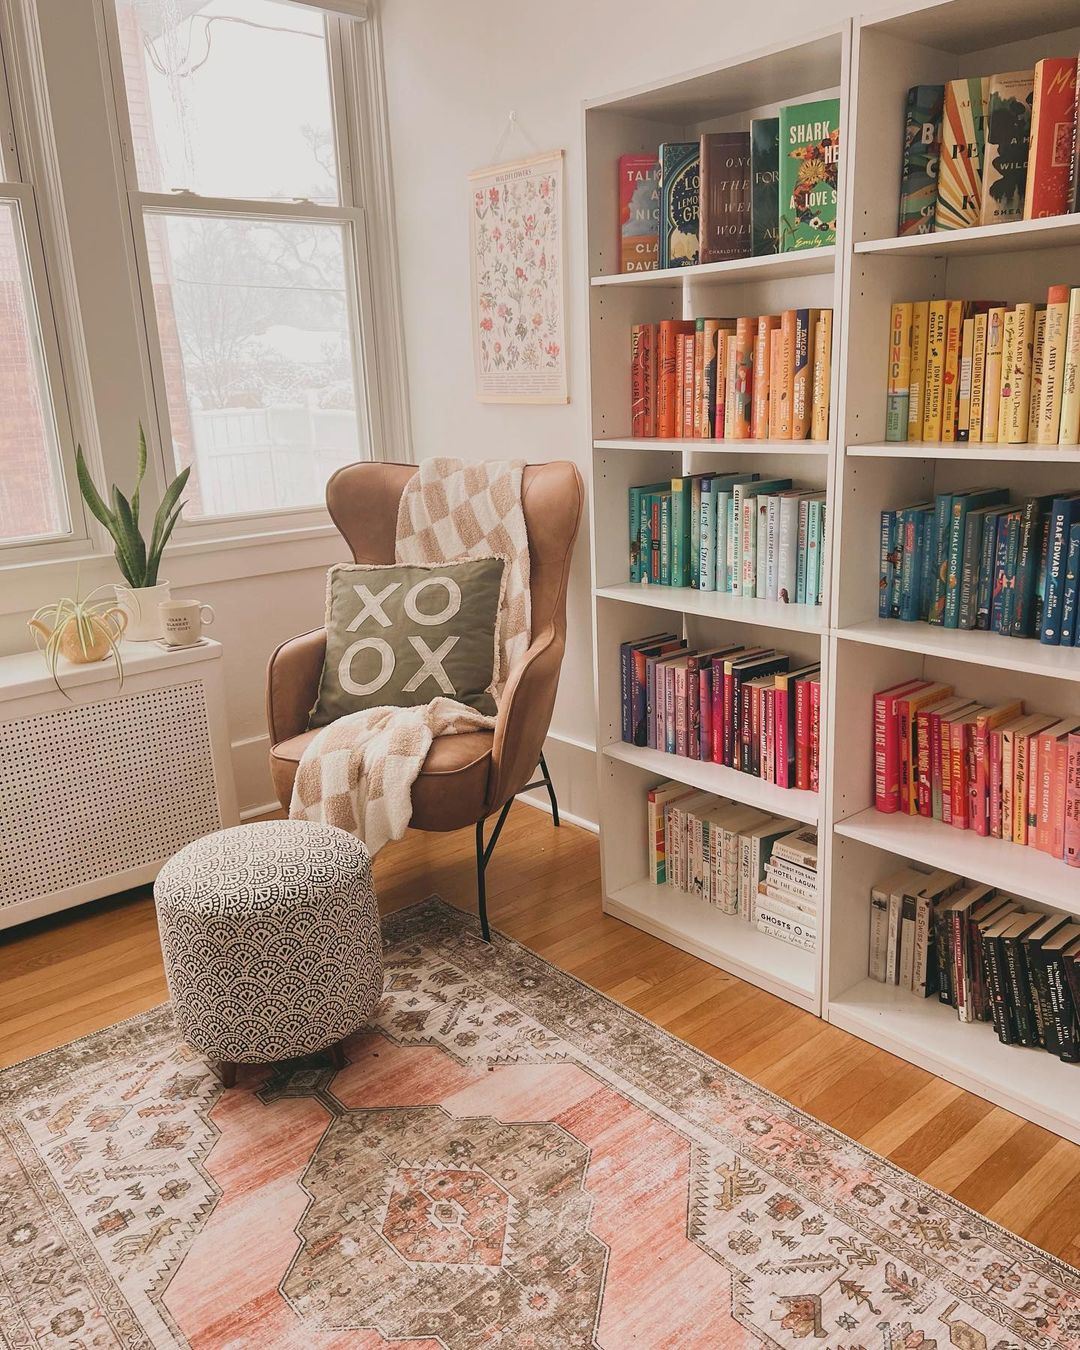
<point x="907" y="528"/>
<point x="939" y="557"/>
<point x="814" y="541"/>
<point x="971" y="564"/>
<point x="1001" y="552"/>
<point x="1012" y="555"/>
<point x="1031" y="566"/>
<point x="1064" y="514"/>
<point x="985" y="596"/>
<point x="962" y="503"/>
<point x="887" y="559"/>
<point x="1070" y="599"/>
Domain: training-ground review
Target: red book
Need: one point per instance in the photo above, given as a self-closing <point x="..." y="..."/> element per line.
<point x="643" y="379"/>
<point x="907" y="708"/>
<point x="729" y="718"/>
<point x="984" y="726"/>
<point x="693" y="708"/>
<point x="802" y="734"/>
<point x="688" y="343"/>
<point x="768" y="740"/>
<point x="718" y="722"/>
<point x="1050" y="152"/>
<point x="924" y="761"/>
<point x="958" y="734"/>
<point x="1071" y="828"/>
<point x="705" y="711"/>
<point x="946" y="772"/>
<point x="781" y="744"/>
<point x="722" y="339"/>
<point x="887" y="745"/>
<point x="936" y="777"/>
<point x="666" y="385"/>
<point x="1060" y="793"/>
<point x="995" y="784"/>
<point x="815" y="732"/>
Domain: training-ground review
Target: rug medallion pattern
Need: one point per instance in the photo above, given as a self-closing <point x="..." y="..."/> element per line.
<point x="507" y="1159"/>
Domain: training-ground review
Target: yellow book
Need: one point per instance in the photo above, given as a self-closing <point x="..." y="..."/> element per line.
<point x="950" y="381"/>
<point x="819" y="419"/>
<point x="967" y="347"/>
<point x="1069" y="431"/>
<point x="802" y="397"/>
<point x="1008" y="360"/>
<point x="731" y="381"/>
<point x="995" y="328"/>
<point x="899" y="380"/>
<point x="920" y="321"/>
<point x="1053" y="364"/>
<point x="1019" y="400"/>
<point x="1035" y="397"/>
<point x="978" y="372"/>
<point x="787" y="376"/>
<point x="935" y="369"/>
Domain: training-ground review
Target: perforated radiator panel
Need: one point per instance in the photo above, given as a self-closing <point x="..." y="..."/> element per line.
<point x="88" y="792"/>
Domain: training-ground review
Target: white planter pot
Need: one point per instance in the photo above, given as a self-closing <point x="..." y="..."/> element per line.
<point x="140" y="604"/>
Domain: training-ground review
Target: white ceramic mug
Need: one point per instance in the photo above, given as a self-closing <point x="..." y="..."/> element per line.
<point x="182" y="621"/>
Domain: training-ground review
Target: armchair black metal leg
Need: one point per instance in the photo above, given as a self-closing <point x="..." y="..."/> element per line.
<point x="483" y="855"/>
<point x="550" y="789"/>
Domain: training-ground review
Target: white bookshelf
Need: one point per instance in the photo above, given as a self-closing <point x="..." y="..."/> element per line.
<point x="724" y="97"/>
<point x="919" y="42"/>
<point x="870" y="65"/>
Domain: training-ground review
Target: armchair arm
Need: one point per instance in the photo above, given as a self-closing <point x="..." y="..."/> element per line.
<point x="292" y="684"/>
<point x="524" y="717"/>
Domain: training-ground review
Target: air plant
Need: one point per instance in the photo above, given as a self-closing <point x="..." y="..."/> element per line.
<point x="82" y="629"/>
<point x="137" y="560"/>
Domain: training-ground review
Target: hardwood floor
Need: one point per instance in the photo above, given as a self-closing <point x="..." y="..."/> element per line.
<point x="64" y="977"/>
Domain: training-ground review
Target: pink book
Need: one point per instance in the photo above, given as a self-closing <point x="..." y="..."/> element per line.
<point x="780" y="737"/>
<point x="1071" y="828"/>
<point x="718" y="723"/>
<point x="1032" y="786"/>
<point x="815" y="735"/>
<point x="887" y="744"/>
<point x="682" y="746"/>
<point x="995" y="784"/>
<point x="1059" y="793"/>
<point x="705" y="711"/>
<point x="1042" y="767"/>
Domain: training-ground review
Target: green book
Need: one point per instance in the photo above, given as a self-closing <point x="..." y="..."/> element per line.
<point x="963" y="503"/>
<point x="681" y="530"/>
<point x="809" y="161"/>
<point x="764" y="191"/>
<point x="665" y="538"/>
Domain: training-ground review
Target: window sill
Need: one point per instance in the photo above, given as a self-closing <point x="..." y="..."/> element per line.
<point x="25" y="586"/>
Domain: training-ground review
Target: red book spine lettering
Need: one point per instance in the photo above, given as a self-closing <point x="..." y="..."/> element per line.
<point x="802" y="735"/>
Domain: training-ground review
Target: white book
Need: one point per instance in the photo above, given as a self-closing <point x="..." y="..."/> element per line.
<point x="766" y="904"/>
<point x="879" y="934"/>
<point x="780" y="874"/>
<point x="787" y="931"/>
<point x="722" y="579"/>
<point x="761" y="548"/>
<point x="772" y="566"/>
<point x="787" y="550"/>
<point x="799" y="847"/>
<point x="769" y="891"/>
<point x="748" y="548"/>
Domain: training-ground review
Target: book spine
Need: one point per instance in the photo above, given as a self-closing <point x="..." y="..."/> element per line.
<point x="802" y="735"/>
<point x="744" y="378"/>
<point x="786" y="393"/>
<point x="967" y="348"/>
<point x="1069" y="428"/>
<point x="637" y="381"/>
<point x="1038" y="350"/>
<point x="1070" y="598"/>
<point x="686" y="386"/>
<point x="819" y="416"/>
<point x="1071" y="814"/>
<point x="899" y="380"/>
<point x="698" y="402"/>
<point x="815" y="735"/>
<point x="978" y="375"/>
<point x="803" y="381"/>
<point x="985" y="586"/>
<point x="1018" y="402"/>
<point x="997" y="979"/>
<point x="995" y="331"/>
<point x="1019" y="992"/>
<point x="1053" y="107"/>
<point x="937" y="327"/>
<point x="920" y="333"/>
<point x="950" y="378"/>
<point x="759" y="422"/>
<point x="1053" y="365"/>
<point x="1060" y="528"/>
<point x="783" y="747"/>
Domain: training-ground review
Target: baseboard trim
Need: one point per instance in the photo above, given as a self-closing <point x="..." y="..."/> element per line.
<point x="251" y="812"/>
<point x="542" y="804"/>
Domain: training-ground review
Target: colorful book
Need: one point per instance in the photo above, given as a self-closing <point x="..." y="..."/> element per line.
<point x="1048" y="189"/>
<point x="809" y="153"/>
<point x="920" y="324"/>
<point x="933" y="386"/>
<point x="960" y="168"/>
<point x="724" y="218"/>
<point x="995" y="326"/>
<point x="639" y="213"/>
<point x="899" y="382"/>
<point x="819" y="415"/>
<point x="1048" y="417"/>
<point x="680" y="175"/>
<point x="919" y="158"/>
<point x="803" y="376"/>
<point x="1005" y="157"/>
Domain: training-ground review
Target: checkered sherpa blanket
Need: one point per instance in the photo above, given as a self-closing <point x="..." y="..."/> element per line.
<point x="453" y="509"/>
<point x="358" y="772"/>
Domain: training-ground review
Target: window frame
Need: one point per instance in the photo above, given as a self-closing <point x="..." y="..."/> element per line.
<point x="350" y="75"/>
<point x="27" y="180"/>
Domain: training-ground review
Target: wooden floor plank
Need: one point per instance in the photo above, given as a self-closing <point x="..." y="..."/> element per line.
<point x="64" y="977"/>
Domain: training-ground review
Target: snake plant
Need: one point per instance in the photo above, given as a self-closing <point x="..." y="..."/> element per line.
<point x="137" y="560"/>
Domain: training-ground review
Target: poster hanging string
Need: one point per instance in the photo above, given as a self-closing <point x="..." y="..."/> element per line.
<point x="513" y="127"/>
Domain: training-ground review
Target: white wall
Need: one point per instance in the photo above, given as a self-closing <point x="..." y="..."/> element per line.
<point x="454" y="72"/>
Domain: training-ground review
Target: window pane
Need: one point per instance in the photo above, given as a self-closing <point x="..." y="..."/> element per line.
<point x="254" y="322"/>
<point x="229" y="98"/>
<point x="32" y="504"/>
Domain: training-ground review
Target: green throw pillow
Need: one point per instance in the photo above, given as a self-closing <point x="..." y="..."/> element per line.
<point x="401" y="635"/>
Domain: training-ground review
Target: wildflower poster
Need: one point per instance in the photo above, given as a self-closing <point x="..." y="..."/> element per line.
<point x="518" y="304"/>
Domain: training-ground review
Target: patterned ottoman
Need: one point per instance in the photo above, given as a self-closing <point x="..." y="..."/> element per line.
<point x="271" y="939"/>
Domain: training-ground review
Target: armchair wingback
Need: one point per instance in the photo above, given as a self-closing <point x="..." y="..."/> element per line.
<point x="464" y="778"/>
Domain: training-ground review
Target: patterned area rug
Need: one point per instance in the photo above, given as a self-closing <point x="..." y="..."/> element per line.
<point x="508" y="1159"/>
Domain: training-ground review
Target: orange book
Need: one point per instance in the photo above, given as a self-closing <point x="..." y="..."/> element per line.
<point x="667" y="384"/>
<point x="722" y="340"/>
<point x="731" y="379"/>
<point x="776" y="382"/>
<point x="759" y="422"/>
<point x="788" y="339"/>
<point x="744" y="376"/>
<point x="689" y="408"/>
<point x="699" y="377"/>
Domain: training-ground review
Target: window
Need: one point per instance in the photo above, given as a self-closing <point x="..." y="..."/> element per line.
<point x="251" y="245"/>
<point x="33" y="489"/>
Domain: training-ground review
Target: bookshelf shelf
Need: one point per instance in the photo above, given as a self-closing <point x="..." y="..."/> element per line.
<point x="717" y="778"/>
<point x="810" y="262"/>
<point x="719" y="605"/>
<point x="995" y="862"/>
<point x="705" y="446"/>
<point x="985" y="454"/>
<point x="1007" y="653"/>
<point x="722" y="939"/>
<point x="1017" y="236"/>
<point x="926" y="1032"/>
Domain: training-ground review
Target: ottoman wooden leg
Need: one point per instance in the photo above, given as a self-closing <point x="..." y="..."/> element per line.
<point x="228" y="1075"/>
<point x="337" y="1054"/>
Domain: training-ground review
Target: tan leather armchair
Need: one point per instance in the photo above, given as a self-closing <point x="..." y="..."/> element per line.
<point x="465" y="779"/>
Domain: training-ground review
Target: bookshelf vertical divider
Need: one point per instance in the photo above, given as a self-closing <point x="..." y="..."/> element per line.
<point x="869" y="64"/>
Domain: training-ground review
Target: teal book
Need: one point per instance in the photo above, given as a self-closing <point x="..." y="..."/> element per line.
<point x="764" y="185"/>
<point x="815" y="533"/>
<point x="919" y="158"/>
<point x="639" y="553"/>
<point x="809" y="155"/>
<point x="665" y="538"/>
<point x="1034" y="517"/>
<point x="680" y="203"/>
<point x="963" y="503"/>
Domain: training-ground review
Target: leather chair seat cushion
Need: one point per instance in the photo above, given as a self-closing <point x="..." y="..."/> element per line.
<point x="449" y="792"/>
